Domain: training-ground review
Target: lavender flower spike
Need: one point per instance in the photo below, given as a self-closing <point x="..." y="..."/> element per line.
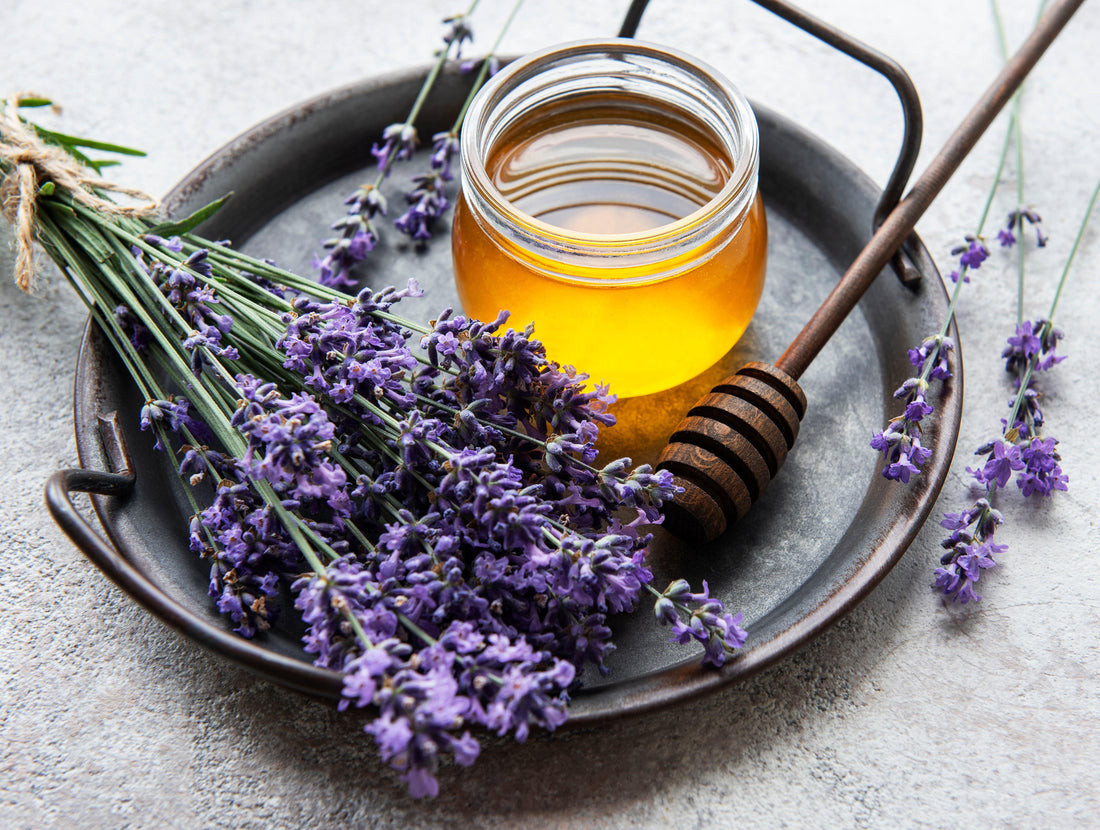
<point x="970" y="551"/>
<point x="427" y="202"/>
<point x="720" y="633"/>
<point x="1016" y="219"/>
<point x="900" y="442"/>
<point x="444" y="149"/>
<point x="398" y="144"/>
<point x="972" y="253"/>
<point x="458" y="33"/>
<point x="358" y="237"/>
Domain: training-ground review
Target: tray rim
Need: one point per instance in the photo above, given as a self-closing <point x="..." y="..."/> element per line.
<point x="629" y="697"/>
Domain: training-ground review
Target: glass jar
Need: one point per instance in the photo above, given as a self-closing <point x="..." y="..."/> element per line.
<point x="609" y="195"/>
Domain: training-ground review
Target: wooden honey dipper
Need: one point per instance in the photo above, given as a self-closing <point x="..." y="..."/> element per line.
<point x="734" y="440"/>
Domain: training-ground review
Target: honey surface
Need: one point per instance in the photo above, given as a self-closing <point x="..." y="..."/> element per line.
<point x="598" y="167"/>
<point x="608" y="169"/>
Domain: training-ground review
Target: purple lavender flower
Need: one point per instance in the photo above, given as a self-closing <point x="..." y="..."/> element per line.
<point x="1035" y="344"/>
<point x="1032" y="350"/>
<point x="938" y="349"/>
<point x="174" y="243"/>
<point x="135" y="330"/>
<point x="427" y="202"/>
<point x="186" y="287"/>
<point x="970" y="550"/>
<point x="288" y="443"/>
<point x="901" y="441"/>
<point x="343" y="253"/>
<point x="358" y="237"/>
<point x="1048" y="338"/>
<point x="175" y="416"/>
<point x="426" y="696"/>
<point x="444" y="149"/>
<point x="1016" y="219"/>
<point x="458" y="33"/>
<point x="345" y="352"/>
<point x="398" y="144"/>
<point x="1022" y="347"/>
<point x="250" y="551"/>
<point x="708" y="623"/>
<point x="957" y="578"/>
<point x="1041" y="473"/>
<point x="1002" y="460"/>
<point x="971" y="255"/>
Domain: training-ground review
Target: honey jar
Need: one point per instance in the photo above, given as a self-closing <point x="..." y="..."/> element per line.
<point x="609" y="195"/>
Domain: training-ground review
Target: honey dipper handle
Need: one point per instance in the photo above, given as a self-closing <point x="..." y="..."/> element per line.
<point x="902" y="219"/>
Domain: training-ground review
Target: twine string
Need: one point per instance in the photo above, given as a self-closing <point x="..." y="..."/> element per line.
<point x="29" y="161"/>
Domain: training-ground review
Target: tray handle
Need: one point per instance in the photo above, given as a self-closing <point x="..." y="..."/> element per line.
<point x="293" y="673"/>
<point x="120" y="483"/>
<point x="887" y="67"/>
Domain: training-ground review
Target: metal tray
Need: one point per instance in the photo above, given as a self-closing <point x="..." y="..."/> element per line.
<point x="822" y="536"/>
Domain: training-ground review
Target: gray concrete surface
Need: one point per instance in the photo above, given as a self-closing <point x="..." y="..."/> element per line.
<point x="907" y="714"/>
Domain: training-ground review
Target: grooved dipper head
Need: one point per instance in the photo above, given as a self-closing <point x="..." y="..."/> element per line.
<point x="729" y="447"/>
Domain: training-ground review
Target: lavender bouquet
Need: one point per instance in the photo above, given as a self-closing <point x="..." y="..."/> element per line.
<point x="429" y="495"/>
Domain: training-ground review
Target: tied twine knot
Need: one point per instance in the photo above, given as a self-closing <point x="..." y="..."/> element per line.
<point x="27" y="161"/>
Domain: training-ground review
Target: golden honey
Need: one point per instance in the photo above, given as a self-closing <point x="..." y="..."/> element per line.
<point x="622" y="218"/>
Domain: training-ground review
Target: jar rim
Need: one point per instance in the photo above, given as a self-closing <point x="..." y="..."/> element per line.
<point x="731" y="202"/>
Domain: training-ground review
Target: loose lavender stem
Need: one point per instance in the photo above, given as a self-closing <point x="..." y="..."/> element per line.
<point x="429" y="82"/>
<point x="1073" y="251"/>
<point x="483" y="70"/>
<point x="901" y="441"/>
<point x="1018" y="138"/>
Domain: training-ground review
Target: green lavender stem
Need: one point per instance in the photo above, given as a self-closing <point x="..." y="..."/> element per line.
<point x="1012" y="433"/>
<point x="483" y="71"/>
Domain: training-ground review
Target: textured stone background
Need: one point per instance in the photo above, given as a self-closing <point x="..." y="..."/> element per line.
<point x="908" y="713"/>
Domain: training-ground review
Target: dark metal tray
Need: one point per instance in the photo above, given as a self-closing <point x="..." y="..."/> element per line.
<point x="821" y="537"/>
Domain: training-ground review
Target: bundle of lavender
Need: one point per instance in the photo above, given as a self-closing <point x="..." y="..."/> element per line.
<point x="430" y="495"/>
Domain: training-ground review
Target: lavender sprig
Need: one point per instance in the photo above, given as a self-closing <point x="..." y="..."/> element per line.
<point x="427" y="200"/>
<point x="708" y="622"/>
<point x="969" y="550"/>
<point x="358" y="231"/>
<point x="900" y="441"/>
<point x="1020" y="453"/>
